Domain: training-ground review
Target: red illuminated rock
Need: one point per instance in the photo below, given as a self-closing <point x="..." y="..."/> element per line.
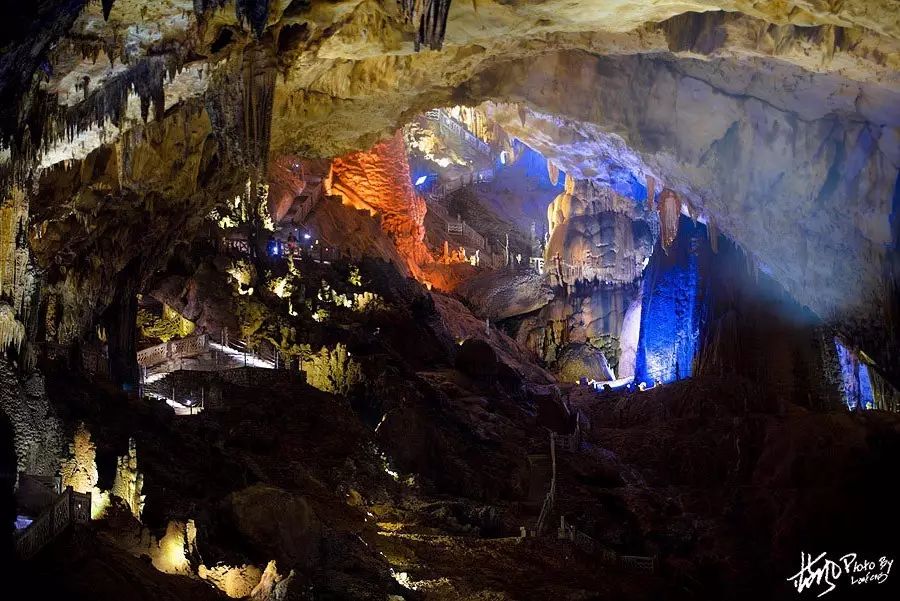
<point x="379" y="180"/>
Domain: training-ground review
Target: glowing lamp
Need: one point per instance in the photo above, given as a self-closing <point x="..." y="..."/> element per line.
<point x="421" y="180"/>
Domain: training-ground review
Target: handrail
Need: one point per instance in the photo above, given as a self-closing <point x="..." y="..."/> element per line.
<point x="69" y="507"/>
<point x="174" y="349"/>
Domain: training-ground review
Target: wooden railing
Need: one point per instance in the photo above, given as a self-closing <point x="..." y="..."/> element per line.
<point x="193" y="345"/>
<point x="153" y="355"/>
<point x="236" y="245"/>
<point x="70" y="507"/>
<point x="638" y="563"/>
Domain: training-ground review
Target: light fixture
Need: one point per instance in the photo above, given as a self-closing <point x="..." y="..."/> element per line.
<point x="421" y="180"/>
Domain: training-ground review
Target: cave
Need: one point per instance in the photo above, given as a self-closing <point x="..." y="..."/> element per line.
<point x="377" y="300"/>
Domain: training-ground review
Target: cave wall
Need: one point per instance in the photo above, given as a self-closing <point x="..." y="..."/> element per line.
<point x="37" y="432"/>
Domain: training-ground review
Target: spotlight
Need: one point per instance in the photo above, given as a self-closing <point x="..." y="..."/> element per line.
<point x="306" y="236"/>
<point x="421" y="180"/>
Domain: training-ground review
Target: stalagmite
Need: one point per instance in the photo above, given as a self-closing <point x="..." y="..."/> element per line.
<point x="570" y="184"/>
<point x="669" y="212"/>
<point x="333" y="370"/>
<point x="129" y="481"/>
<point x="79" y="469"/>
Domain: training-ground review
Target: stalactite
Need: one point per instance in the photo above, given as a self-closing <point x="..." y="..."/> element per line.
<point x="239" y="103"/>
<point x="713" y="232"/>
<point x="254" y="12"/>
<point x="692" y="212"/>
<point x="651" y="192"/>
<point x="669" y="211"/>
<point x="203" y="6"/>
<point x="430" y="16"/>
<point x="107" y="7"/>
<point x="17" y="276"/>
<point x="509" y="149"/>
<point x="46" y="121"/>
<point x="553" y="173"/>
<point x="258" y="75"/>
<point x="12" y="331"/>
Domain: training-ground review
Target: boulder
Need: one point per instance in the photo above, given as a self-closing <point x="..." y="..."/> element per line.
<point x="277" y="522"/>
<point x="501" y="294"/>
<point x="583" y="361"/>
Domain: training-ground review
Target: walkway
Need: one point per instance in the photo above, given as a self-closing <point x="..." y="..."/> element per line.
<point x="446" y="123"/>
<point x="197" y="353"/>
<point x="436" y="200"/>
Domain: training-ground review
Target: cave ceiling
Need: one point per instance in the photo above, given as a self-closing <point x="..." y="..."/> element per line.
<point x="777" y="120"/>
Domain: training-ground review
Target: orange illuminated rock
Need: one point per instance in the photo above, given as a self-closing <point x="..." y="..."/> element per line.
<point x="379" y="180"/>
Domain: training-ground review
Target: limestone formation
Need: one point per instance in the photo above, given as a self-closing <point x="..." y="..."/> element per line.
<point x="79" y="469"/>
<point x="333" y="370"/>
<point x="129" y="482"/>
<point x="37" y="431"/>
